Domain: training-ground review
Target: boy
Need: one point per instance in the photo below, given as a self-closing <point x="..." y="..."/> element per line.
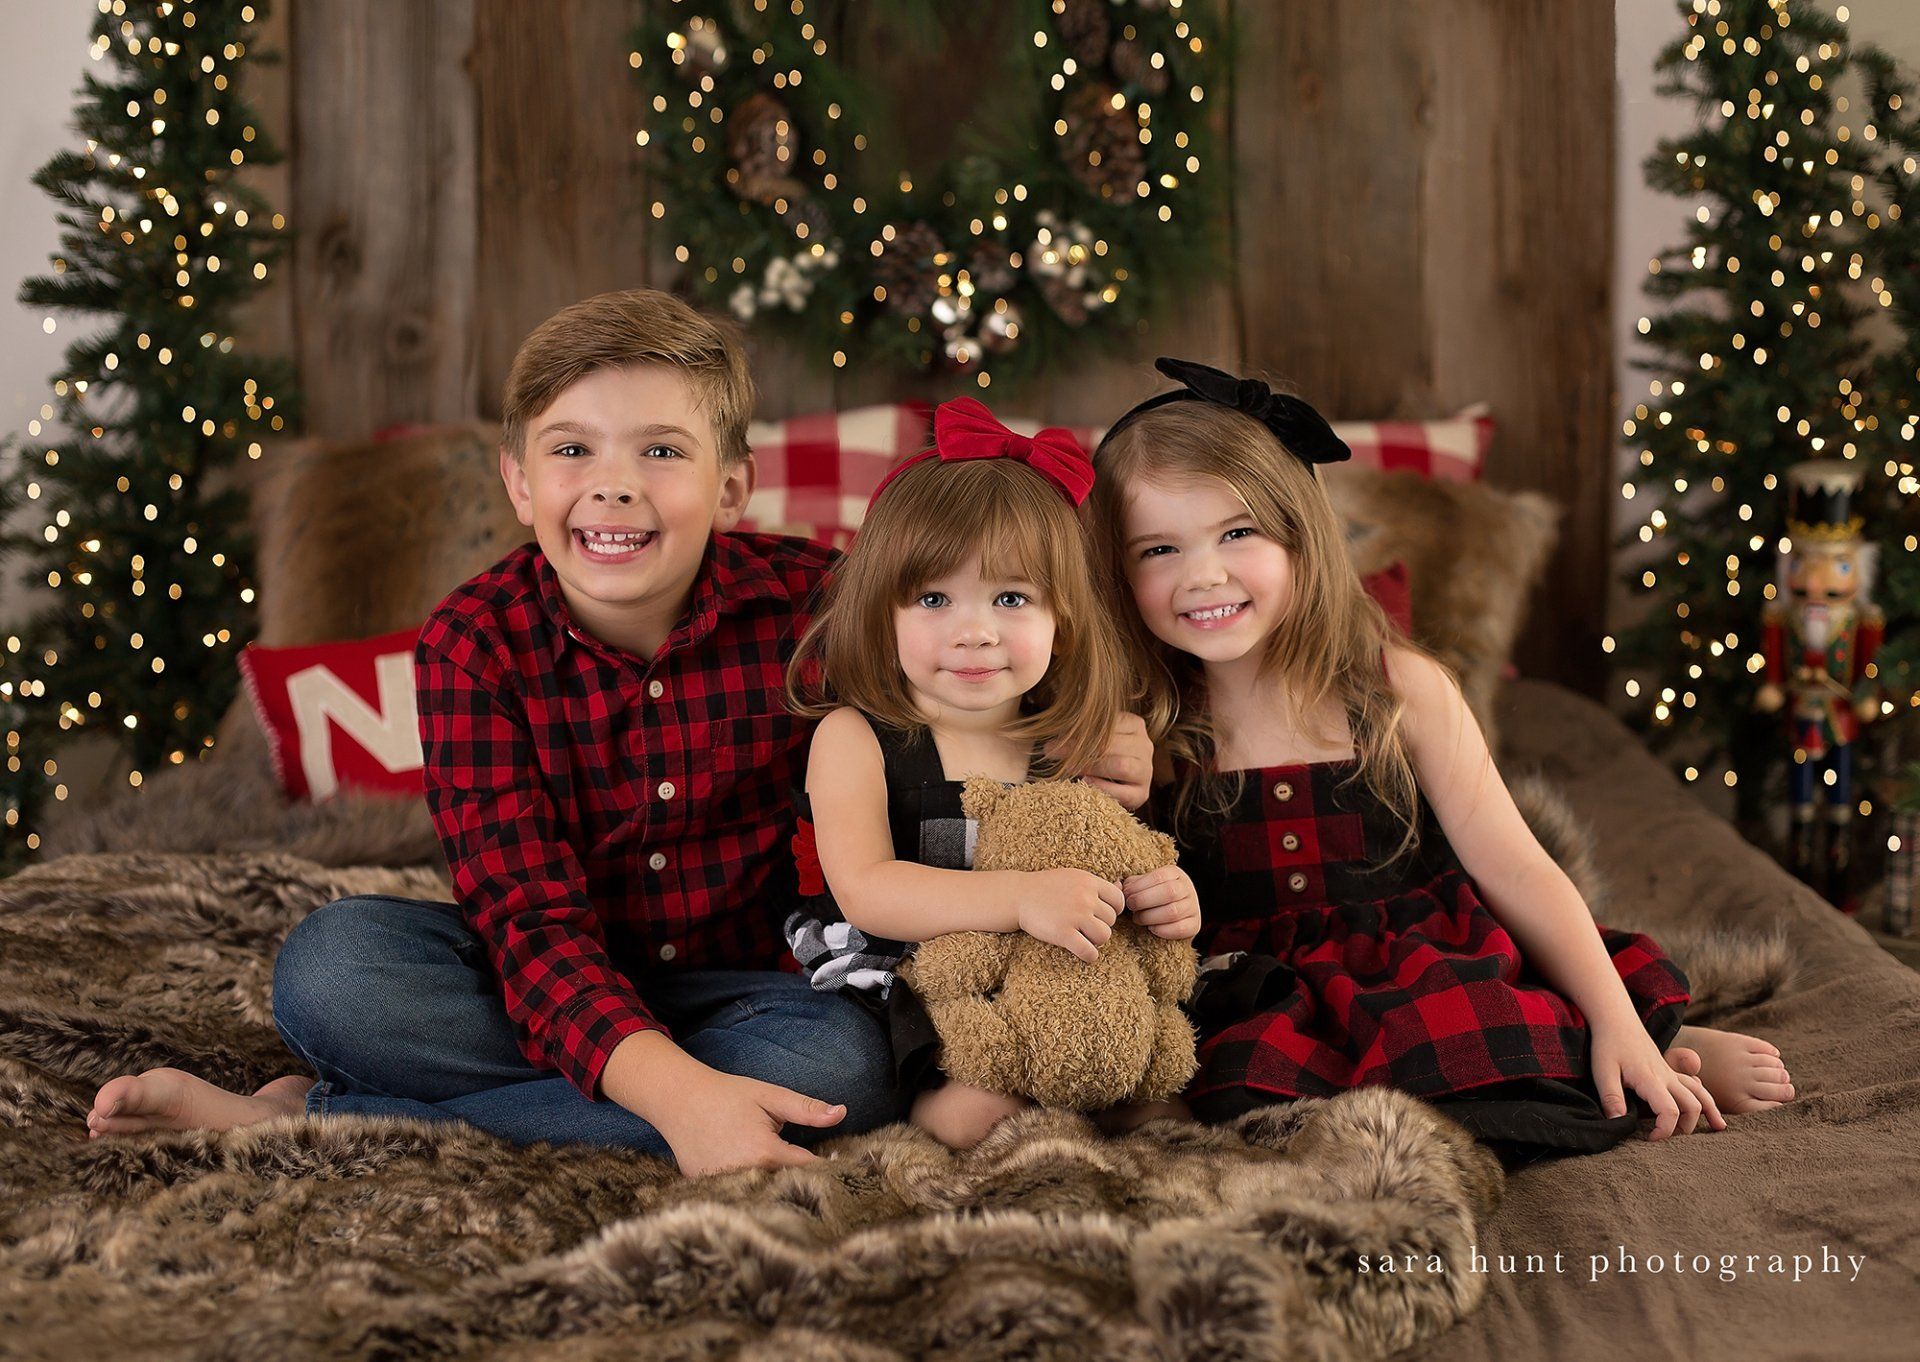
<point x="608" y="766"/>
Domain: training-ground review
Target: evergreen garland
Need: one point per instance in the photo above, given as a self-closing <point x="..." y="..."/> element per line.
<point x="1082" y="198"/>
<point x="126" y="516"/>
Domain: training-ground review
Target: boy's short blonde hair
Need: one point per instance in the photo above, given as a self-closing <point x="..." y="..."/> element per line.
<point x="632" y="326"/>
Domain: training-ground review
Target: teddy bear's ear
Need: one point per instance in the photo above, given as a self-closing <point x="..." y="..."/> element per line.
<point x="981" y="796"/>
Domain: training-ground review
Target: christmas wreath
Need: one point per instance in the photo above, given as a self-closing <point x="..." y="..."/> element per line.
<point x="1066" y="228"/>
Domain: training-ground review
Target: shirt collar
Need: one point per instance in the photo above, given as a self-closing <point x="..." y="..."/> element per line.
<point x="730" y="577"/>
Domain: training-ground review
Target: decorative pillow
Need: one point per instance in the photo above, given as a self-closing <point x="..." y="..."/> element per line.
<point x="816" y="472"/>
<point x="1391" y="587"/>
<point x="339" y="715"/>
<point x="1472" y="554"/>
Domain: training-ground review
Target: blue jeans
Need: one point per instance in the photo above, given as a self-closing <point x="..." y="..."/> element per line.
<point x="394" y="1004"/>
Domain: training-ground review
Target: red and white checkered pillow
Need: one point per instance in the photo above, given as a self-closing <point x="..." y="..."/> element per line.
<point x="816" y="472"/>
<point x="339" y="716"/>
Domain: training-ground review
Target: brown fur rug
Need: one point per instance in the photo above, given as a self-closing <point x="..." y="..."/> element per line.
<point x="357" y="1237"/>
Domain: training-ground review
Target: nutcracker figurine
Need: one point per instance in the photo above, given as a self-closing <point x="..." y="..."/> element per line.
<point x="1819" y="643"/>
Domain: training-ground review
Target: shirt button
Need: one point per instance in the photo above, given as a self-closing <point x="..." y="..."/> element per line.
<point x="1282" y="791"/>
<point x="667" y="952"/>
<point x="1296" y="881"/>
<point x="658" y="860"/>
<point x="1290" y="842"/>
<point x="655" y="689"/>
<point x="666" y="789"/>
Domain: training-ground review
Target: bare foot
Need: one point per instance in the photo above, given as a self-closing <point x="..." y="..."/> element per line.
<point x="167" y="1099"/>
<point x="1744" y="1073"/>
<point x="959" y="1116"/>
<point x="1119" y="1120"/>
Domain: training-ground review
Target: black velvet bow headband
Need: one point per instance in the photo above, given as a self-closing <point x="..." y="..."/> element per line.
<point x="1303" y="431"/>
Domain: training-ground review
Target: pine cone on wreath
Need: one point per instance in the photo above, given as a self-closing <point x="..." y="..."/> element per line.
<point x="1102" y="146"/>
<point x="1066" y="300"/>
<point x="1133" y="64"/>
<point x="906" y="269"/>
<point x="807" y="212"/>
<point x="990" y="268"/>
<point x="765" y="151"/>
<point x="1085" y="32"/>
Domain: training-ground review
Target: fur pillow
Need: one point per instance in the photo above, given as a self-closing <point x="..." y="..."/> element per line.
<point x="1473" y="553"/>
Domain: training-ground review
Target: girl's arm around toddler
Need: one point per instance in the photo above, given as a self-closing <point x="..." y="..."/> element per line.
<point x="883" y="895"/>
<point x="1530" y="895"/>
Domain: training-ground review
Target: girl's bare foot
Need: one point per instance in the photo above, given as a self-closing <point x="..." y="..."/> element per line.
<point x="959" y="1116"/>
<point x="1119" y="1120"/>
<point x="1744" y="1073"/>
<point x="167" y="1099"/>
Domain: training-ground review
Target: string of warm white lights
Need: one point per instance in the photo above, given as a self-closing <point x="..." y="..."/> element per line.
<point x="137" y="545"/>
<point x="761" y="156"/>
<point x="1762" y="362"/>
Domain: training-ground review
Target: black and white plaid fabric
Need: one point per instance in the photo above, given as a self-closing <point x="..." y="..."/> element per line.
<point x="928" y="825"/>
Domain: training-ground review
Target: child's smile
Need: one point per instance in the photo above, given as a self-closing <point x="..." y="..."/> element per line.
<point x="613" y="543"/>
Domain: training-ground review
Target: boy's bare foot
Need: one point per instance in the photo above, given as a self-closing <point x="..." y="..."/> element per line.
<point x="167" y="1099"/>
<point x="1744" y="1073"/>
<point x="959" y="1116"/>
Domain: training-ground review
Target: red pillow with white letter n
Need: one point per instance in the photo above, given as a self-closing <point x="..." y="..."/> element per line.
<point x="339" y="716"/>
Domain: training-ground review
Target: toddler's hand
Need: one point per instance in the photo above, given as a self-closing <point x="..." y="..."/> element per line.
<point x="1164" y="902"/>
<point x="1070" y="909"/>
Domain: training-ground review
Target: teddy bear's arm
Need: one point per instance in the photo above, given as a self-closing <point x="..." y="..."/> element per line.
<point x="959" y="964"/>
<point x="1171" y="967"/>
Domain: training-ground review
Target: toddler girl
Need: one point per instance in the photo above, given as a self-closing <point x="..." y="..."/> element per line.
<point x="1377" y="910"/>
<point x="962" y="635"/>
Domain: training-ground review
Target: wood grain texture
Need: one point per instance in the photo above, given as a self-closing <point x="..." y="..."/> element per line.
<point x="385" y="179"/>
<point x="562" y="201"/>
<point x="1420" y="218"/>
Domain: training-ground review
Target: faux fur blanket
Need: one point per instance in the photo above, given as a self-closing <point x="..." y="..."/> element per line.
<point x="356" y="1237"/>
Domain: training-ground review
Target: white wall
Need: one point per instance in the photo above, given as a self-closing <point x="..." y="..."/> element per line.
<point x="43" y="51"/>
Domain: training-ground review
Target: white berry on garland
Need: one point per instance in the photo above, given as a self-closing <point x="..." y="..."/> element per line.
<point x="1071" y="231"/>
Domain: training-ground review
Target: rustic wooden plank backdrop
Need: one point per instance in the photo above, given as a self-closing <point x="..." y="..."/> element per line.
<point x="1421" y="218"/>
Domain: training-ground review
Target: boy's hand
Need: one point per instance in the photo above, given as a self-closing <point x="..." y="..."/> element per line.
<point x="1070" y="909"/>
<point x="721" y="1121"/>
<point x="1164" y="902"/>
<point x="1125" y="769"/>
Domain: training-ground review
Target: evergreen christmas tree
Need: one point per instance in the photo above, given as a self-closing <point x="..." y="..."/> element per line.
<point x="1758" y="363"/>
<point x="1896" y="384"/>
<point x="126" y="513"/>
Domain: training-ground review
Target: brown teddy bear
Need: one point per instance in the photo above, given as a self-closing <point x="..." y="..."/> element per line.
<point x="1018" y="1015"/>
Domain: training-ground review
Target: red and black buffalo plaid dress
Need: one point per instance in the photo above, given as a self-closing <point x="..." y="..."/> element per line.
<point x="1332" y="965"/>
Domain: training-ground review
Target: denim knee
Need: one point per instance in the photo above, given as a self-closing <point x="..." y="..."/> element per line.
<point x="856" y="1064"/>
<point x="317" y="975"/>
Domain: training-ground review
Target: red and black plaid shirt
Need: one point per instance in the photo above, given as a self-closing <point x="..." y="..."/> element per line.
<point x="608" y="817"/>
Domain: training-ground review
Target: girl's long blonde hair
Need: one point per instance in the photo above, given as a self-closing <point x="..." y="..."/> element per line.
<point x="932" y="519"/>
<point x="1330" y="642"/>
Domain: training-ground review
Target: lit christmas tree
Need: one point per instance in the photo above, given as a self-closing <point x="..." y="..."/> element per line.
<point x="126" y="515"/>
<point x="1896" y="385"/>
<point x="1759" y="366"/>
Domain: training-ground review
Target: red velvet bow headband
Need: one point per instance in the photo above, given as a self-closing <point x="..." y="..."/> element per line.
<point x="965" y="429"/>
